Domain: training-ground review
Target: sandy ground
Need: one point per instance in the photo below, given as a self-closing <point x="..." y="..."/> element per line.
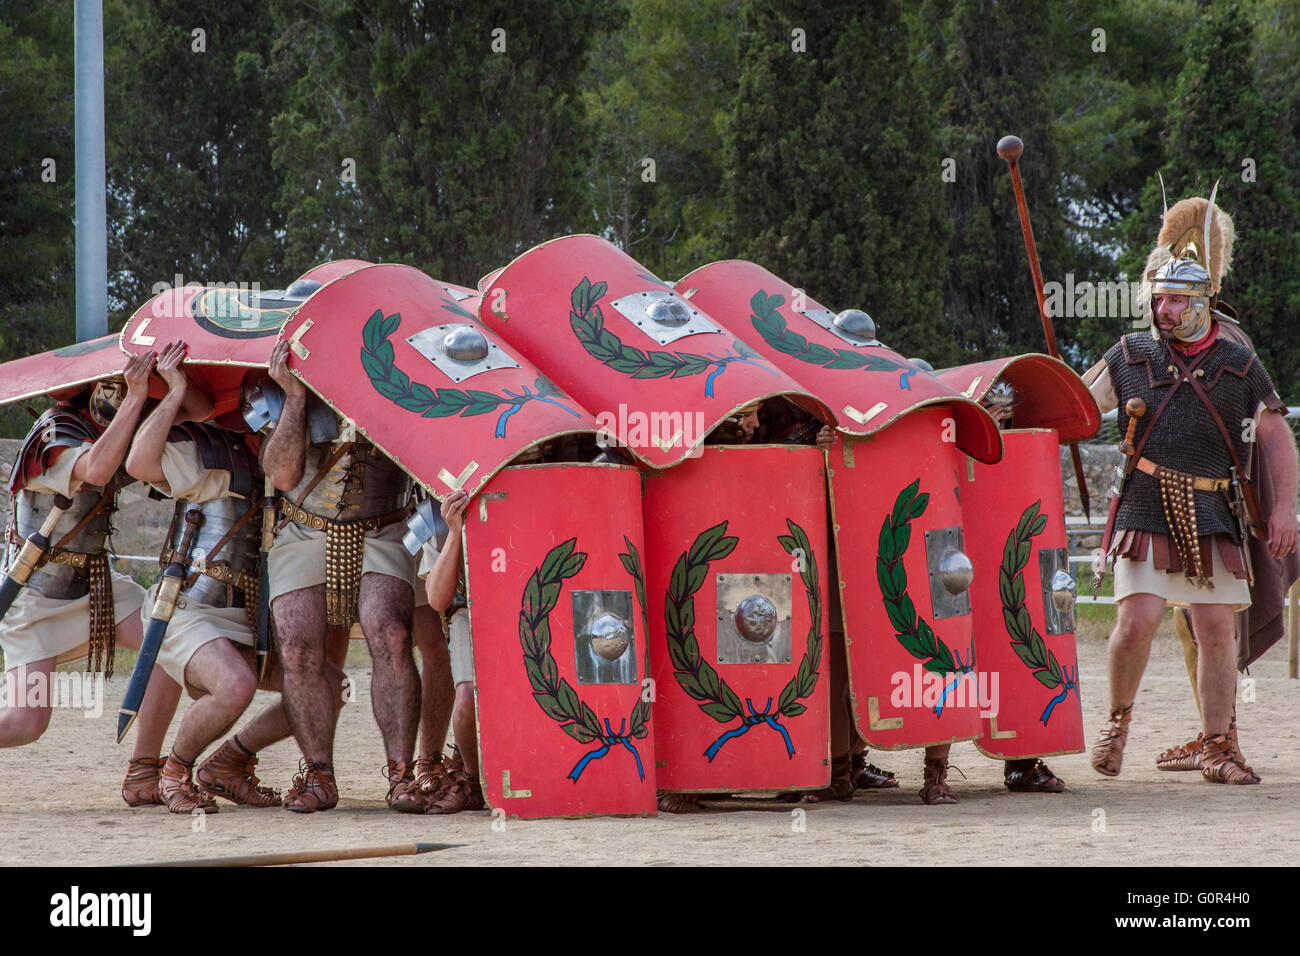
<point x="59" y="803"/>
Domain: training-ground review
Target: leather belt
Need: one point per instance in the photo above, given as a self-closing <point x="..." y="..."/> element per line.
<point x="317" y="523"/>
<point x="73" y="559"/>
<point x="218" y="571"/>
<point x="1147" y="466"/>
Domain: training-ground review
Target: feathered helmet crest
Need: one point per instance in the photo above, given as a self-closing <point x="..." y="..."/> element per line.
<point x="1192" y="254"/>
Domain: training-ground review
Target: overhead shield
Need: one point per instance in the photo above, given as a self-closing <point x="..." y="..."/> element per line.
<point x="61" y="372"/>
<point x="905" y="572"/>
<point x="1044" y="392"/>
<point x="556" y="578"/>
<point x="405" y="357"/>
<point x="736" y="544"/>
<point x="228" y="328"/>
<point x="1023" y="599"/>
<point x="837" y="357"/>
<point x="658" y="372"/>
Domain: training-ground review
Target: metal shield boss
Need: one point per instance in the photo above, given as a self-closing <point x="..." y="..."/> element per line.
<point x="405" y="358"/>
<point x="736" y="543"/>
<point x="836" y="356"/>
<point x="905" y="573"/>
<point x="658" y="372"/>
<point x="1023" y="599"/>
<point x="556" y="575"/>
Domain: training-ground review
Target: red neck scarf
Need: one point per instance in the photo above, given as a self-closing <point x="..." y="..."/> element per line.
<point x="1189" y="349"/>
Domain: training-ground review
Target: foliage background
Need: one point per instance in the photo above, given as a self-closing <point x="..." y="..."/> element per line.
<point x="813" y="139"/>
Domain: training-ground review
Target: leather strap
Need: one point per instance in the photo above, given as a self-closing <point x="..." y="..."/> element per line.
<point x="216" y="548"/>
<point x="321" y="472"/>
<point x="1149" y="467"/>
<point x="100" y="505"/>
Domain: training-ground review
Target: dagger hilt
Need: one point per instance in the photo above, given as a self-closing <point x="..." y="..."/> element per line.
<point x="169" y="589"/>
<point x="1135" y="408"/>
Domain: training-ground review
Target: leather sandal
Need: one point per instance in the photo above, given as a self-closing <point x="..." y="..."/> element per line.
<point x="1221" y="762"/>
<point x="463" y="792"/>
<point x="671" y="801"/>
<point x="1108" y="752"/>
<point x="140" y="787"/>
<point x="935" y="789"/>
<point x="404" y="794"/>
<point x="313" y="788"/>
<point x="1185" y="757"/>
<point x="841" y="785"/>
<point x="179" y="791"/>
<point x="229" y="773"/>
<point x="1031" y="776"/>
<point x="867" y="776"/>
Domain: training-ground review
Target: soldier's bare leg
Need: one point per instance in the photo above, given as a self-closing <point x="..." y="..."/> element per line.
<point x="1136" y="619"/>
<point x="1216" y="671"/>
<point x="272" y="724"/>
<point x="935" y="789"/>
<point x="309" y="690"/>
<point x="27" y="706"/>
<point x="464" y="729"/>
<point x="384" y="606"/>
<point x="227" y="682"/>
<point x="436" y="691"/>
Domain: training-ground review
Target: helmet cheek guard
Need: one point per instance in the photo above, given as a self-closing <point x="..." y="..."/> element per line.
<point x="105" y="399"/>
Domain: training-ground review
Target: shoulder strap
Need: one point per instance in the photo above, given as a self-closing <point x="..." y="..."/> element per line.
<point x="323" y="471"/>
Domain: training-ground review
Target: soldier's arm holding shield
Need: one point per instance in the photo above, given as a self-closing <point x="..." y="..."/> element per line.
<point x="145" y="459"/>
<point x="98" y="465"/>
<point x="440" y="585"/>
<point x="284" y="452"/>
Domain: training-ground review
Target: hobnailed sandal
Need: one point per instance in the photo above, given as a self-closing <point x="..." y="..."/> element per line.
<point x="841" y="785"/>
<point x="463" y="792"/>
<point x="404" y="794"/>
<point x="313" y="788"/>
<point x="1108" y="752"/>
<point x="867" y="776"/>
<point x="140" y="787"/>
<point x="1031" y="776"/>
<point x="229" y="773"/>
<point x="178" y="789"/>
<point x="670" y="801"/>
<point x="935" y="789"/>
<point x="1221" y="762"/>
<point x="1186" y="757"/>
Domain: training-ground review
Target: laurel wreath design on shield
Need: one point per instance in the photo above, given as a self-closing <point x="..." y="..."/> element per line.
<point x="553" y="693"/>
<point x="379" y="362"/>
<point x="588" y="324"/>
<point x="913" y="632"/>
<point x="698" y="678"/>
<point x="776" y="332"/>
<point x="1025" y="639"/>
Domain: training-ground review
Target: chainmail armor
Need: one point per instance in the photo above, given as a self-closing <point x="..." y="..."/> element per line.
<point x="1186" y="438"/>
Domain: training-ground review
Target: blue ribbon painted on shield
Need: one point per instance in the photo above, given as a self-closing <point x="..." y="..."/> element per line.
<point x="1071" y="684"/>
<point x="753" y="719"/>
<point x="903" y="379"/>
<point x="961" y="670"/>
<point x="526" y="396"/>
<point x="609" y="739"/>
<point x="722" y="361"/>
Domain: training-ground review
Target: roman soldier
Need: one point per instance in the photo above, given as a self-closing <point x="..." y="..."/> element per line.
<point x="68" y="472"/>
<point x="338" y="558"/>
<point x="1189" y="398"/>
<point x="208" y="644"/>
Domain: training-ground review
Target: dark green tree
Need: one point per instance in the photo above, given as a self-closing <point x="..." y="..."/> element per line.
<point x="191" y="187"/>
<point x="834" y="175"/>
<point x="990" y="68"/>
<point x="37" y="252"/>
<point x="445" y="135"/>
<point x="1222" y="126"/>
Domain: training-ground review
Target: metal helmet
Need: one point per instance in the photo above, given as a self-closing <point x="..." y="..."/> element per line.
<point x="1185" y="277"/>
<point x="105" y="399"/>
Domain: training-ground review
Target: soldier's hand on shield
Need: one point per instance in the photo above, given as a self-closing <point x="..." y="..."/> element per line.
<point x="825" y="438"/>
<point x="1281" y="532"/>
<point x="137" y="373"/>
<point x="453" y="510"/>
<point x="279" y="369"/>
<point x="169" y="366"/>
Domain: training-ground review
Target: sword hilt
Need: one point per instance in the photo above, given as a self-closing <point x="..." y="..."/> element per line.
<point x="1135" y="408"/>
<point x="170" y="587"/>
